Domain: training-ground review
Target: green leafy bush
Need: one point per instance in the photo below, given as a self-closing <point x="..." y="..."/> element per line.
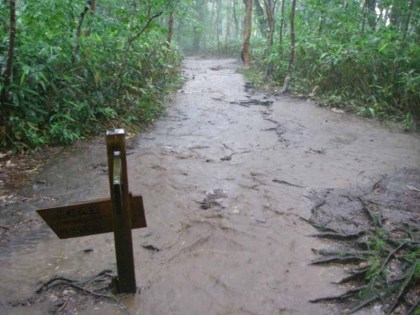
<point x="73" y="77"/>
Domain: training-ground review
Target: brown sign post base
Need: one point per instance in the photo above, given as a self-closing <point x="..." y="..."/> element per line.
<point x="119" y="214"/>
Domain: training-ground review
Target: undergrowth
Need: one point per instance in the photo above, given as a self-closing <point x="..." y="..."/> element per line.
<point x="74" y="77"/>
<point x="374" y="76"/>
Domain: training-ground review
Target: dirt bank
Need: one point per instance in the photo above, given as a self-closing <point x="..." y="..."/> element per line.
<point x="225" y="176"/>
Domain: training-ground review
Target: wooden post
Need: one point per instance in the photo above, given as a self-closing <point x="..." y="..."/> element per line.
<point x="118" y="183"/>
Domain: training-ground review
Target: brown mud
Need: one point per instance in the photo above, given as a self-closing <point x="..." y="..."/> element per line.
<point x="225" y="175"/>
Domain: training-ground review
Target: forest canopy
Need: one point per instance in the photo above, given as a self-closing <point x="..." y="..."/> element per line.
<point x="70" y="68"/>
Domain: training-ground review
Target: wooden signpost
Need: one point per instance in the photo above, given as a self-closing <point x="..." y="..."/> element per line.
<point x="119" y="214"/>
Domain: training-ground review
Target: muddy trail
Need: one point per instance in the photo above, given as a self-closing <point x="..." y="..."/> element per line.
<point x="226" y="176"/>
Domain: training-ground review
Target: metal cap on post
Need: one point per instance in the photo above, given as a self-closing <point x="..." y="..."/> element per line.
<point x="118" y="183"/>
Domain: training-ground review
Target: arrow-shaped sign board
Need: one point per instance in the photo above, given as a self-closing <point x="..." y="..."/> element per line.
<point x="89" y="218"/>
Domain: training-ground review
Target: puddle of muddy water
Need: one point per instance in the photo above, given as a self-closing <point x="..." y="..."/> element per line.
<point x="248" y="251"/>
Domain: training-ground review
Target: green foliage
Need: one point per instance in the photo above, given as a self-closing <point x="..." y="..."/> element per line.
<point x="68" y="85"/>
<point x="370" y="72"/>
<point x="343" y="62"/>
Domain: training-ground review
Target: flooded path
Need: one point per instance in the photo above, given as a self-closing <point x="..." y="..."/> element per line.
<point x="225" y="175"/>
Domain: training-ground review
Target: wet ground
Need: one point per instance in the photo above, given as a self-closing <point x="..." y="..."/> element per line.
<point x="225" y="176"/>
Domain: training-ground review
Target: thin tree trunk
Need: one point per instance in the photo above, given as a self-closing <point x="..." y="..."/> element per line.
<point x="281" y="24"/>
<point x="228" y="22"/>
<point x="218" y="25"/>
<point x="395" y="16"/>
<point x="364" y="11"/>
<point x="197" y="32"/>
<point x="235" y="19"/>
<point x="79" y="30"/>
<point x="92" y="9"/>
<point x="371" y="13"/>
<point x="386" y="15"/>
<point x="292" y="49"/>
<point x="380" y="17"/>
<point x="212" y="21"/>
<point x="269" y="9"/>
<point x="170" y="26"/>
<point x="92" y="6"/>
<point x="321" y="23"/>
<point x="10" y="54"/>
<point x="262" y="23"/>
<point x="407" y="24"/>
<point x="247" y="34"/>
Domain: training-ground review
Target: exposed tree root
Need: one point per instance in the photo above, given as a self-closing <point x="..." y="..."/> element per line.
<point x="364" y="303"/>
<point x="340" y="298"/>
<point x="403" y="288"/>
<point x="337" y="259"/>
<point x="338" y="236"/>
<point x="82" y="287"/>
<point x="354" y="276"/>
<point x="388" y="257"/>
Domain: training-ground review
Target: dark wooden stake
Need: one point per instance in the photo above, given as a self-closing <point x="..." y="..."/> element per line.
<point x="118" y="183"/>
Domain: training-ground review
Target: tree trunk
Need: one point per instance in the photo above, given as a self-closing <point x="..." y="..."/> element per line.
<point x="371" y="13"/>
<point x="79" y="30"/>
<point x="281" y="23"/>
<point x="235" y="19"/>
<point x="262" y="23"/>
<point x="407" y="23"/>
<point x="170" y="26"/>
<point x="321" y="23"/>
<point x="212" y="21"/>
<point x="364" y="14"/>
<point x="292" y="48"/>
<point x="218" y="25"/>
<point x="7" y="77"/>
<point x="92" y="6"/>
<point x="197" y="32"/>
<point x="269" y="9"/>
<point x="247" y="34"/>
<point x="395" y="16"/>
<point x="228" y="22"/>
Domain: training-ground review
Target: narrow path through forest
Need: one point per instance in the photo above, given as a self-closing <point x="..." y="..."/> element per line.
<point x="225" y="174"/>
